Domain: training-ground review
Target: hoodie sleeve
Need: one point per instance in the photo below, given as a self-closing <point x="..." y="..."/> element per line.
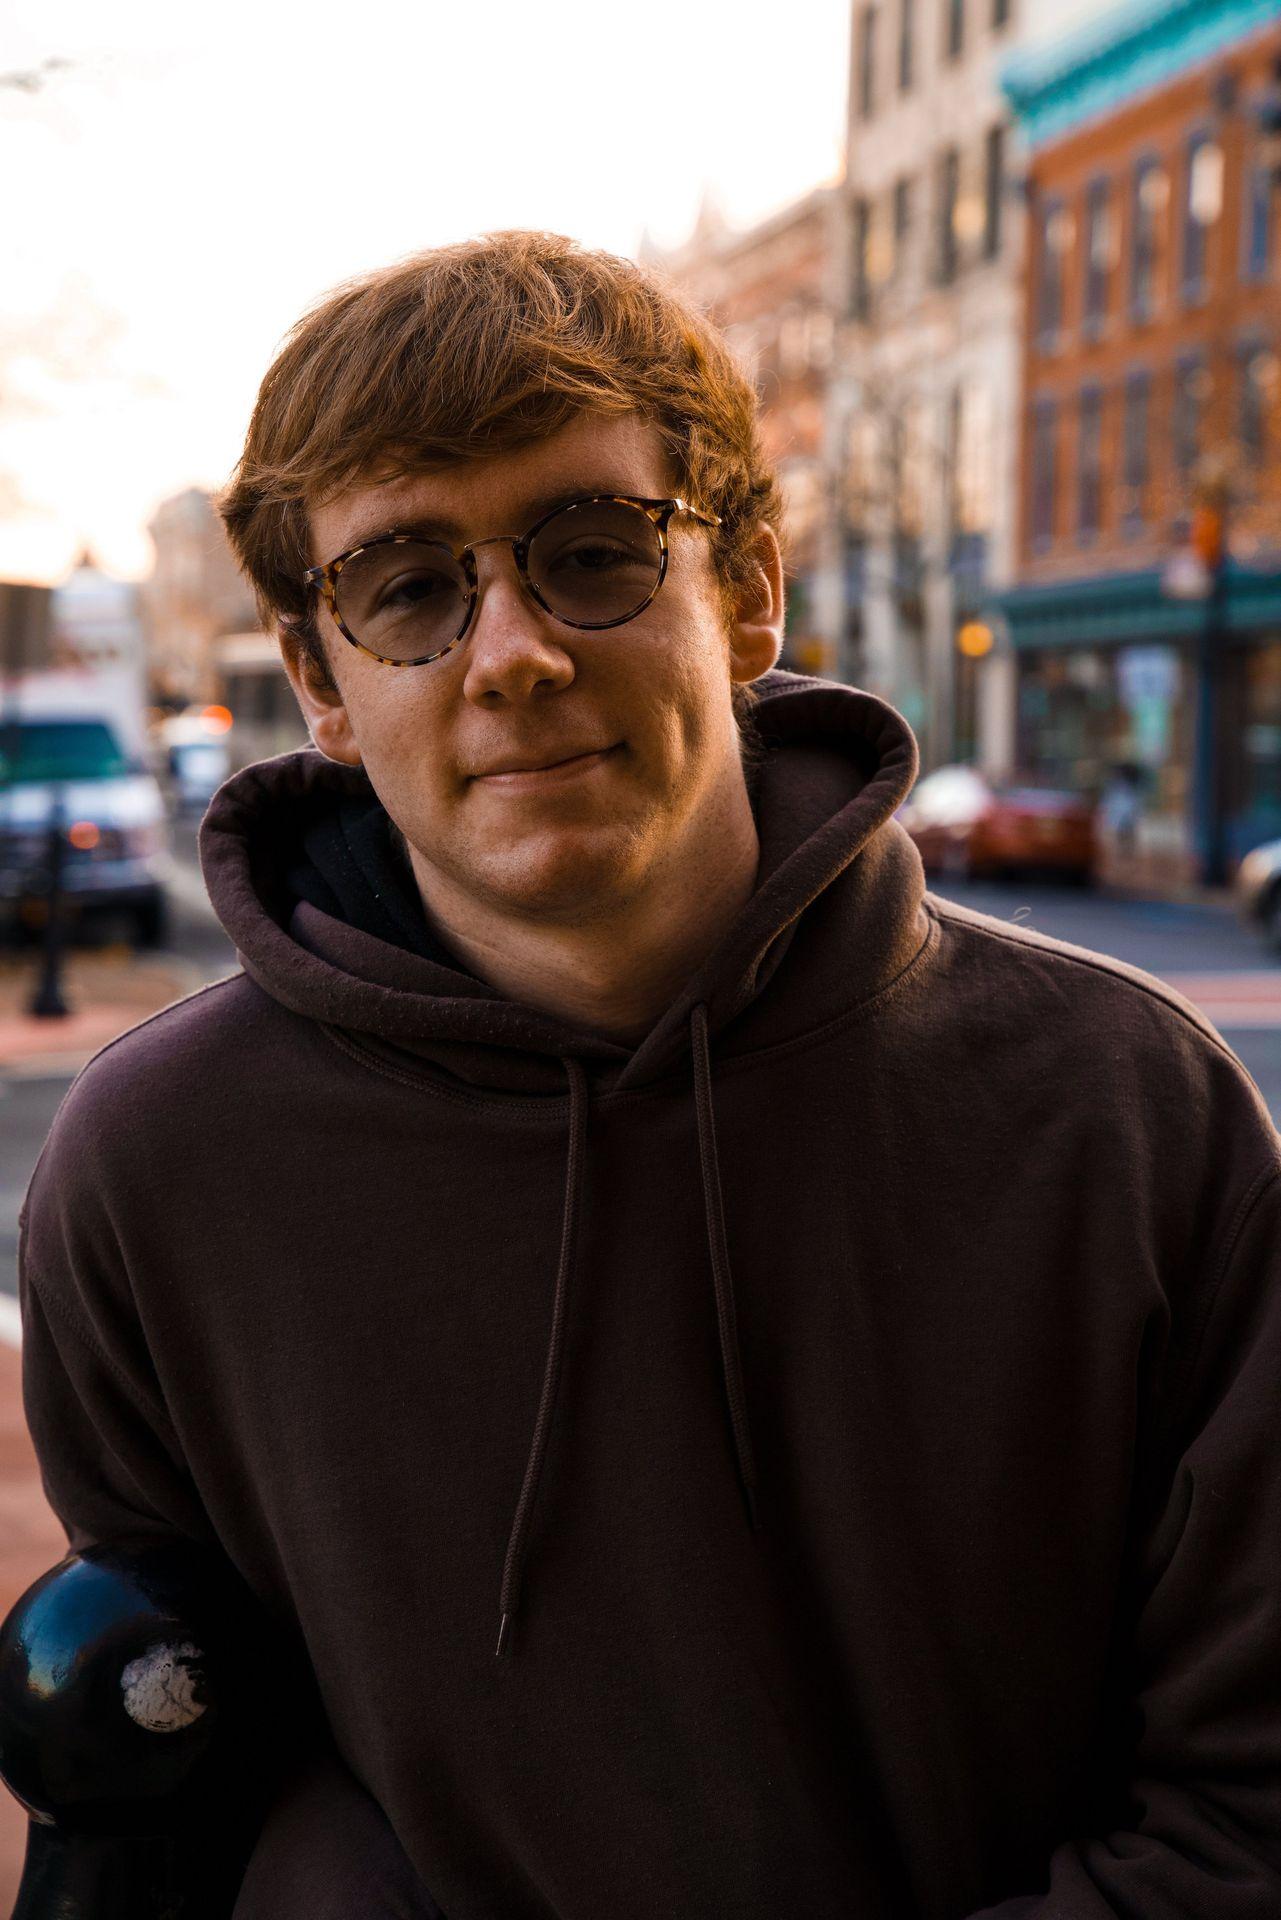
<point x="327" y="1852"/>
<point x="110" y="1462"/>
<point x="1199" y="1817"/>
<point x="108" y="1467"/>
<point x="112" y="1468"/>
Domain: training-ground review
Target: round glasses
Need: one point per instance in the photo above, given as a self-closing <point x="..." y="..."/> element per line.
<point x="592" y="563"/>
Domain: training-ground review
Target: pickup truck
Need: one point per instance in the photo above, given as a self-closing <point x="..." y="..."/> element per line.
<point x="117" y="854"/>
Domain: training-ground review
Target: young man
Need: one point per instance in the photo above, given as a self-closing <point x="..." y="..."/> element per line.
<point x="755" y="1388"/>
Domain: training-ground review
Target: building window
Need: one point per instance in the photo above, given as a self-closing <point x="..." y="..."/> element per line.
<point x="1045" y="449"/>
<point x="1149" y="201"/>
<point x="866" y="43"/>
<point x="953" y="28"/>
<point x="949" y="186"/>
<point x="860" y="287"/>
<point x="1191" y="380"/>
<point x="902" y="220"/>
<point x="993" y="190"/>
<point x="864" y="468"/>
<point x="1053" y="239"/>
<point x="1260" y="202"/>
<point x="909" y="467"/>
<point x="1099" y="256"/>
<point x="1134" y="445"/>
<point x="1202" y="205"/>
<point x="906" y="45"/>
<point x="972" y="443"/>
<point x="1089" y="463"/>
<point x="1256" y="383"/>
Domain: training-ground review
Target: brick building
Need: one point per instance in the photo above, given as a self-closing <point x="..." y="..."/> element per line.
<point x="194" y="594"/>
<point x="1152" y="329"/>
<point x="771" y="290"/>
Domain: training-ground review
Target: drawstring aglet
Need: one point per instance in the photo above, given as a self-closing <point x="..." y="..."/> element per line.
<point x="502" y="1637"/>
<point x="749" y="1494"/>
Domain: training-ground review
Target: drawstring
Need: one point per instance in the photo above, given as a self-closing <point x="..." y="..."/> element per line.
<point x="722" y="1278"/>
<point x="509" y="1595"/>
<point x="726" y="1317"/>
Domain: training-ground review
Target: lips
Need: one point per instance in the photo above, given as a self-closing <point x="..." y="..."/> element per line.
<point x="515" y="768"/>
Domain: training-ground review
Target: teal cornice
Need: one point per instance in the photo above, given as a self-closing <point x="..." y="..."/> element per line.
<point x="1129" y="50"/>
<point x="1116" y="609"/>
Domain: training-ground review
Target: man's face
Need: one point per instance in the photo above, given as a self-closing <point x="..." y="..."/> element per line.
<point x="644" y="708"/>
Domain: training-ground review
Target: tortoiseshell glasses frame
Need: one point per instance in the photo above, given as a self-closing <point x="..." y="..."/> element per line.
<point x="658" y="512"/>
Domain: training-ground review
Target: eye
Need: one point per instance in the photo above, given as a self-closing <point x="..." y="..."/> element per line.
<point x="412" y="587"/>
<point x="594" y="553"/>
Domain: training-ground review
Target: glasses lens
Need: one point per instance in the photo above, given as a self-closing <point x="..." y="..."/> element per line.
<point x="403" y="600"/>
<point x="596" y="563"/>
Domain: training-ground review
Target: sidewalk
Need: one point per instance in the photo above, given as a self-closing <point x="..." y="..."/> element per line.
<point x="31" y="1541"/>
<point x="105" y="992"/>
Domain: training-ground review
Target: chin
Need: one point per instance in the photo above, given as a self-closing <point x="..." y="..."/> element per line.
<point x="565" y="875"/>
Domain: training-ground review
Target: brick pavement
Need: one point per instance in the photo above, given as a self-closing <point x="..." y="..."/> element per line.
<point x="105" y="992"/>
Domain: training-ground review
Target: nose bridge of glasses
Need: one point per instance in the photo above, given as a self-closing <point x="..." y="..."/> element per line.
<point x="518" y="543"/>
<point x="495" y="539"/>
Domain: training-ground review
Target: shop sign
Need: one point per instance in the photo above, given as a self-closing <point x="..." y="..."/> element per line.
<point x="1147" y="673"/>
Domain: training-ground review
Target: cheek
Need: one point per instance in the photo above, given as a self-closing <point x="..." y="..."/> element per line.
<point x="398" y="728"/>
<point x="686" y="679"/>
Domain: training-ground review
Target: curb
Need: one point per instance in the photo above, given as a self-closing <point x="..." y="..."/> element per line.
<point x="10" y="1321"/>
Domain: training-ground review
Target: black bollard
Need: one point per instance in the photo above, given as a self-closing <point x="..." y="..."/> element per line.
<point x="47" y="1002"/>
<point x="146" y="1711"/>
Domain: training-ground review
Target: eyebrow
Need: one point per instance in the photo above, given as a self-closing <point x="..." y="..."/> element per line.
<point x="440" y="527"/>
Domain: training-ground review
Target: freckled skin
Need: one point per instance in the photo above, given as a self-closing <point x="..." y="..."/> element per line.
<point x="593" y="897"/>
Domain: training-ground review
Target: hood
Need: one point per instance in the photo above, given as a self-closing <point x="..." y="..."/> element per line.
<point x="837" y="764"/>
<point x="291" y="854"/>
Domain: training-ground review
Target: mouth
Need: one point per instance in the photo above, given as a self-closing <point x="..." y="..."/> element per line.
<point x="554" y="773"/>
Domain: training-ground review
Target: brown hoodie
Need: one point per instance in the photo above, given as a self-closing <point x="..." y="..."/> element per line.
<point x="856" y="1405"/>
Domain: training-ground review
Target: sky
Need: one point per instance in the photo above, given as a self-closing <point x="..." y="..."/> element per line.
<point x="189" y="179"/>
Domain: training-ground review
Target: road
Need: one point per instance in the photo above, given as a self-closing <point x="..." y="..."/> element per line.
<point x="27" y="1105"/>
<point x="1201" y="950"/>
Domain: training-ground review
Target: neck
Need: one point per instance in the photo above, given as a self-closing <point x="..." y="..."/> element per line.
<point x="616" y="975"/>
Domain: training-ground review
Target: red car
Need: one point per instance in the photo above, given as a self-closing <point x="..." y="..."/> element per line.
<point x="969" y="826"/>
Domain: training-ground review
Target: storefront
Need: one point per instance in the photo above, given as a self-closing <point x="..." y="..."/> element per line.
<point x="1107" y="697"/>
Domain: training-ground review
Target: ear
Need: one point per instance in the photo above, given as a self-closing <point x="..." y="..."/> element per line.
<point x="318" y="694"/>
<point x="756" y="631"/>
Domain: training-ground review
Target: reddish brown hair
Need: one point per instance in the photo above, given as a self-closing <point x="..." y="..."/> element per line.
<point x="471" y="350"/>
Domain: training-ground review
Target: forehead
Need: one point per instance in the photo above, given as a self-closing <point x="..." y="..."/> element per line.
<point x="503" y="493"/>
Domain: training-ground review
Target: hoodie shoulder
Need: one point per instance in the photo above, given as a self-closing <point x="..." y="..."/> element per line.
<point x="1087" y="971"/>
<point x="214" y="1042"/>
<point x="1103" y="1080"/>
<point x="1083" y="997"/>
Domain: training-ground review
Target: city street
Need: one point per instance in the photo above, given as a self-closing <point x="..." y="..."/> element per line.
<point x="1201" y="950"/>
<point x="29" y="1100"/>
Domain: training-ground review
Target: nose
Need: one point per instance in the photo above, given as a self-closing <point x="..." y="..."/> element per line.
<point x="513" y="650"/>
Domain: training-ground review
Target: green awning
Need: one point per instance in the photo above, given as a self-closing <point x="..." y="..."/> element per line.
<point x="1113" y="609"/>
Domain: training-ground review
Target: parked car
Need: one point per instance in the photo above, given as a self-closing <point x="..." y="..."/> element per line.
<point x="967" y="825"/>
<point x="1258" y="891"/>
<point x="116" y="855"/>
<point x="195" y="759"/>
